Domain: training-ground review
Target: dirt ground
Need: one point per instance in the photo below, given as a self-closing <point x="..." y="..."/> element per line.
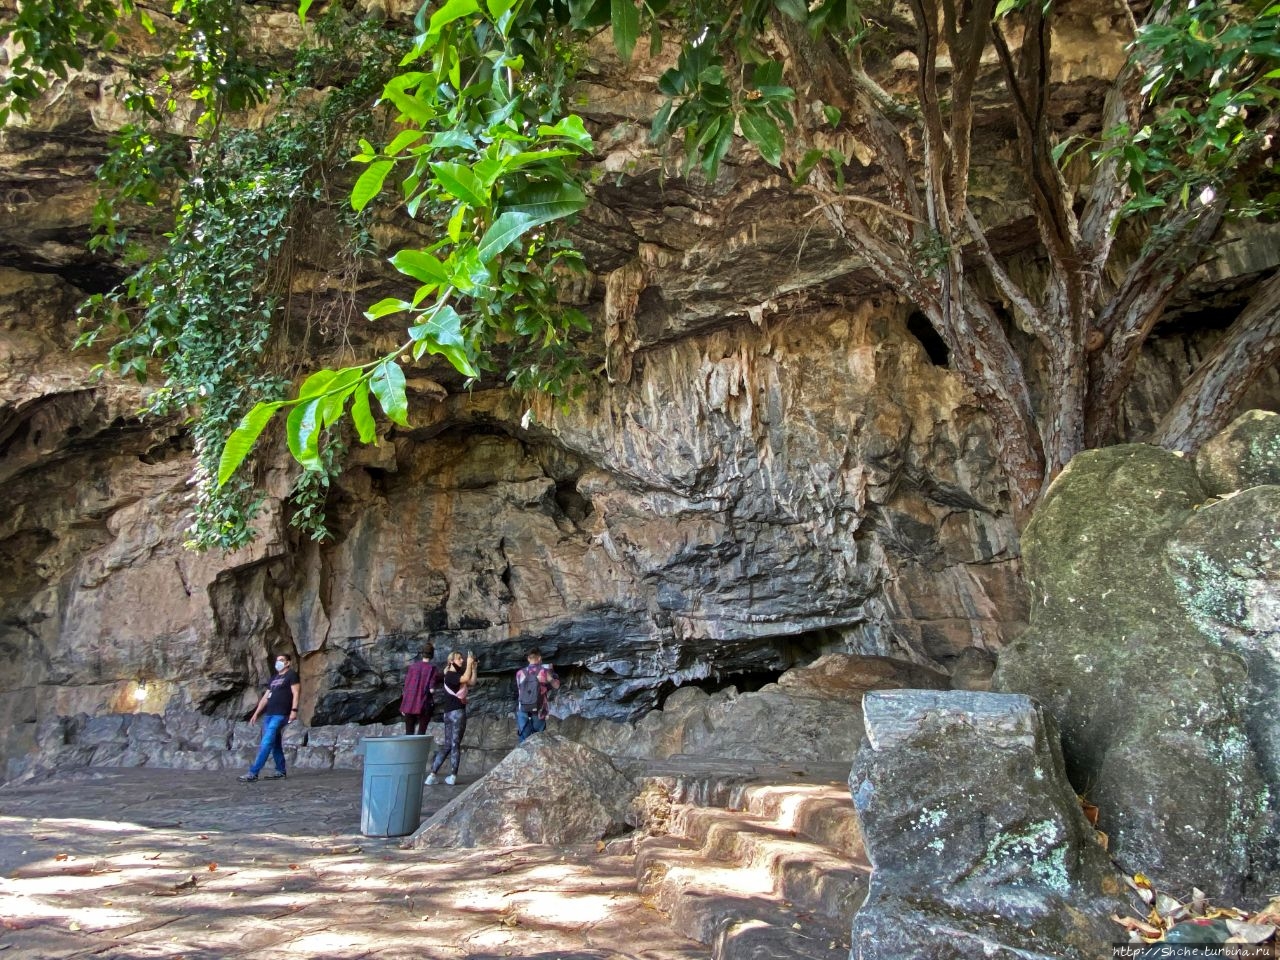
<point x="145" y="863"/>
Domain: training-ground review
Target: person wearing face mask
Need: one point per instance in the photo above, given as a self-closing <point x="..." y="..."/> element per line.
<point x="278" y="706"/>
<point x="459" y="675"/>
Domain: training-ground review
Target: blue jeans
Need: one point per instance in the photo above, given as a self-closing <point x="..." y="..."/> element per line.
<point x="272" y="743"/>
<point x="527" y="724"/>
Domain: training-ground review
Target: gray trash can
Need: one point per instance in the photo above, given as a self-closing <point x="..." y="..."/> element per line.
<point x="393" y="771"/>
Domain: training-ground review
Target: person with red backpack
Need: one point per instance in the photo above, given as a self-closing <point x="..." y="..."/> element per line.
<point x="534" y="684"/>
<point x="418" y="699"/>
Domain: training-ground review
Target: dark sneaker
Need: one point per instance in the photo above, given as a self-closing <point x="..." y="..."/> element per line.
<point x="278" y="775"/>
<point x="247" y="777"/>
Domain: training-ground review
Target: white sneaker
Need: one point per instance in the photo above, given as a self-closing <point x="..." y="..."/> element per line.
<point x="451" y="779"/>
<point x="431" y="778"/>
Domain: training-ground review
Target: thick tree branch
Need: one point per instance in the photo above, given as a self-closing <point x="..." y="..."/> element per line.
<point x="1126" y="321"/>
<point x="1028" y="82"/>
<point x="966" y="42"/>
<point x="1250" y="346"/>
<point x="1016" y="296"/>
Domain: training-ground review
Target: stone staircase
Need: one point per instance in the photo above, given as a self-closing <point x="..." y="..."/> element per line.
<point x="756" y="863"/>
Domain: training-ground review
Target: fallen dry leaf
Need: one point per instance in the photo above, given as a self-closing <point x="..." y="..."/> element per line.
<point x="60" y="856"/>
<point x="1090" y="811"/>
<point x="1146" y="929"/>
<point x="213" y="867"/>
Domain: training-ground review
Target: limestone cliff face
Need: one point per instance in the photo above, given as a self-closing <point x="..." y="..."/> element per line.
<point x="769" y="466"/>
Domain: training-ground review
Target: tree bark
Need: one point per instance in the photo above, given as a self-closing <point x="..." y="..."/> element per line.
<point x="1250" y="346"/>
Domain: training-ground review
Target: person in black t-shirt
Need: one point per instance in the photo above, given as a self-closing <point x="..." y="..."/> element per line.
<point x="278" y="706"/>
<point x="453" y="705"/>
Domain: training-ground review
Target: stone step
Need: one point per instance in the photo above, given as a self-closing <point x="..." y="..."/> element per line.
<point x="736" y="910"/>
<point x="810" y="875"/>
<point x="756" y="862"/>
<point x="819" y="809"/>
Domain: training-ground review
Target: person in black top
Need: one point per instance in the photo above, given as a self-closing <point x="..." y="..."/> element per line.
<point x="453" y="705"/>
<point x="278" y="706"/>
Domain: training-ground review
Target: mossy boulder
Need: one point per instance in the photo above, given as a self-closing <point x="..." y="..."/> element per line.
<point x="1165" y="725"/>
<point x="1245" y="454"/>
<point x="977" y="841"/>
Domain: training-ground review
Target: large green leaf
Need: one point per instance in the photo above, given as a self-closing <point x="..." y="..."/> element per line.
<point x="403" y="139"/>
<point x="420" y="265"/>
<point x="442" y="335"/>
<point x="498" y="9"/>
<point x="547" y="202"/>
<point x="243" y="438"/>
<point x="571" y="128"/>
<point x="460" y="182"/>
<point x="316" y="384"/>
<point x="387" y="384"/>
<point x="503" y="232"/>
<point x="624" y="16"/>
<point x="444" y="328"/>
<point x="387" y="306"/>
<point x="418" y="111"/>
<point x="335" y="398"/>
<point x="759" y="128"/>
<point x="362" y="415"/>
<point x="451" y="11"/>
<point x="370" y="183"/>
<point x="303" y="433"/>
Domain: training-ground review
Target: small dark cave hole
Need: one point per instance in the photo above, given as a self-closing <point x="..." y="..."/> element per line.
<point x="378" y="480"/>
<point x="748" y="681"/>
<point x="934" y="346"/>
<point x="1202" y="319"/>
<point x="572" y="503"/>
<point x="169" y="447"/>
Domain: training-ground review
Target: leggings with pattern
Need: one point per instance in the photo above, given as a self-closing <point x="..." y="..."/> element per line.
<point x="455" y="725"/>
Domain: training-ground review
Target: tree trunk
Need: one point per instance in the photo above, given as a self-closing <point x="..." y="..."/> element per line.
<point x="1250" y="346"/>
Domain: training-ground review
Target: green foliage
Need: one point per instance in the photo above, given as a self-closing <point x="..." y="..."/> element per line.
<point x="50" y="37"/>
<point x="205" y="304"/>
<point x="1211" y="86"/>
<point x="482" y="153"/>
<point x="705" y="102"/>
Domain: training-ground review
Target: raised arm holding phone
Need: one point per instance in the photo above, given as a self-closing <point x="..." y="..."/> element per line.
<point x="459" y="675"/>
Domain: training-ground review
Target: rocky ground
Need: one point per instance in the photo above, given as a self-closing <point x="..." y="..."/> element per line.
<point x="136" y="863"/>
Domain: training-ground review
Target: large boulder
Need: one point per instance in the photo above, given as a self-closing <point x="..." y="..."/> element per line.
<point x="547" y="790"/>
<point x="1225" y="565"/>
<point x="1164" y="723"/>
<point x="1245" y="454"/>
<point x="977" y="841"/>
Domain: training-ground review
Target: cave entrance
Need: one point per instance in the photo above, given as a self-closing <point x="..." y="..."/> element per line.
<point x="935" y="347"/>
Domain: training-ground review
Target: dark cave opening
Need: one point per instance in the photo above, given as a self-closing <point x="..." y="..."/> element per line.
<point x="748" y="681"/>
<point x="572" y="503"/>
<point x="934" y="346"/>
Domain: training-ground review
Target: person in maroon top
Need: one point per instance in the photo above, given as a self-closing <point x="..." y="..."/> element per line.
<point x="418" y="698"/>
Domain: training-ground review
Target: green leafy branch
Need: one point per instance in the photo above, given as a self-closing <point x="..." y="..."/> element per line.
<point x="1210" y="85"/>
<point x="474" y="157"/>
